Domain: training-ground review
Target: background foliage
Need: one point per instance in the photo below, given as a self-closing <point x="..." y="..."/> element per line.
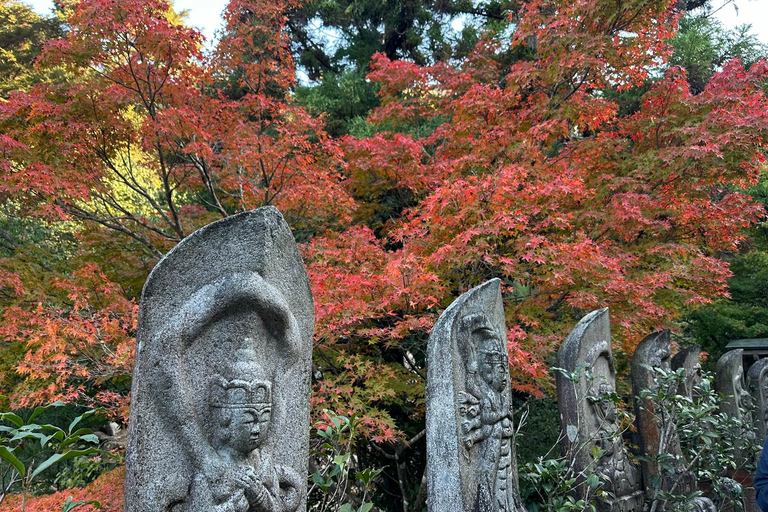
<point x="588" y="153"/>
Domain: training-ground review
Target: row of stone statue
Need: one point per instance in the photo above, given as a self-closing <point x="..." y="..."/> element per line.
<point x="221" y="391"/>
<point x="470" y="454"/>
<point x="588" y="418"/>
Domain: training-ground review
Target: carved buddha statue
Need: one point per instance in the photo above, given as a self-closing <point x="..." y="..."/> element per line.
<point x="247" y="480"/>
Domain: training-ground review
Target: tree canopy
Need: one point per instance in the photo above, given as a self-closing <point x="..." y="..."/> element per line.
<point x="587" y="153"/>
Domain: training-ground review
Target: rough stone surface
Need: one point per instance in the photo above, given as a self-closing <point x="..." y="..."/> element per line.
<point x="736" y="402"/>
<point x="588" y="414"/>
<point x="757" y="382"/>
<point x="690" y="360"/>
<point x="654" y="352"/>
<point x="702" y="504"/>
<point x="220" y="400"/>
<point x="471" y="462"/>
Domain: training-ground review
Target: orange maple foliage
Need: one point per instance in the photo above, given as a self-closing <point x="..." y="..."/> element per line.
<point x="532" y="176"/>
<point x="478" y="169"/>
<point x="107" y="489"/>
<point x="152" y="140"/>
<point x="78" y="338"/>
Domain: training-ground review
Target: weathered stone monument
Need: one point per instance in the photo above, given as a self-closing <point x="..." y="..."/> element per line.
<point x="588" y="415"/>
<point x="220" y="399"/>
<point x="736" y="402"/>
<point x="471" y="462"/>
<point x="656" y="428"/>
<point x="757" y="383"/>
<point x="690" y="360"/>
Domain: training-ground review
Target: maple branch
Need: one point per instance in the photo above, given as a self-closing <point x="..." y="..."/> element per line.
<point x="166" y="75"/>
<point x="284" y="177"/>
<point x="322" y="355"/>
<point x="412" y="363"/>
<point x="109" y="201"/>
<point x="131" y="183"/>
<point x="555" y="305"/>
<point x="135" y="77"/>
<point x="165" y="175"/>
<point x="116" y="226"/>
<point x="201" y="165"/>
<point x="401" y="447"/>
<point x="266" y="179"/>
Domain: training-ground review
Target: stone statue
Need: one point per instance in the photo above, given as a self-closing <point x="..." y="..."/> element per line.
<point x="471" y="462"/>
<point x="736" y="402"/>
<point x="757" y="379"/>
<point x="702" y="504"/>
<point x="689" y="359"/>
<point x="220" y="400"/>
<point x="240" y="414"/>
<point x="656" y="428"/>
<point x="588" y="415"/>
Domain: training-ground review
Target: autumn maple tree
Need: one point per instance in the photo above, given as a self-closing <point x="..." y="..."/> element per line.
<point x="511" y="159"/>
<point x="152" y="140"/>
<point x="528" y="173"/>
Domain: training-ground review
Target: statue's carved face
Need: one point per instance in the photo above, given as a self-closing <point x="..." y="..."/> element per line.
<point x="248" y="428"/>
<point x="493" y="366"/>
<point x="604" y="406"/>
<point x="604" y="410"/>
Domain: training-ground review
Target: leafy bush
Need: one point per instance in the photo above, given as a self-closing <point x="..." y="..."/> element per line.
<point x="338" y="484"/>
<point x="709" y="441"/>
<point x="29" y="448"/>
<point x="81" y="471"/>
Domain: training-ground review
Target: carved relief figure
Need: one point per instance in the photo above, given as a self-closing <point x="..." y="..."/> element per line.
<point x="241" y="413"/>
<point x="619" y="476"/>
<point x="220" y="398"/>
<point x="656" y="436"/>
<point x="757" y="379"/>
<point x="588" y="414"/>
<point x="471" y="462"/>
<point x="736" y="402"/>
<point x="487" y="424"/>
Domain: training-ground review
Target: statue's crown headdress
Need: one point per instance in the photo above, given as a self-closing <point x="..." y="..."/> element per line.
<point x="240" y="394"/>
<point x="492" y="355"/>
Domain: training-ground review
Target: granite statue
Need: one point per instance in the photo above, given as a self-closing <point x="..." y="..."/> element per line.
<point x="588" y="416"/>
<point x="471" y="461"/>
<point x="656" y="428"/>
<point x="736" y="401"/>
<point x="220" y="400"/>
<point x="690" y="360"/>
<point x="757" y="383"/>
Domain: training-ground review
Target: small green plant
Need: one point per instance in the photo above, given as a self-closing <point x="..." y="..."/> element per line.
<point x="546" y="485"/>
<point x="81" y="471"/>
<point x="332" y="488"/>
<point x="30" y="448"/>
<point x="70" y="504"/>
